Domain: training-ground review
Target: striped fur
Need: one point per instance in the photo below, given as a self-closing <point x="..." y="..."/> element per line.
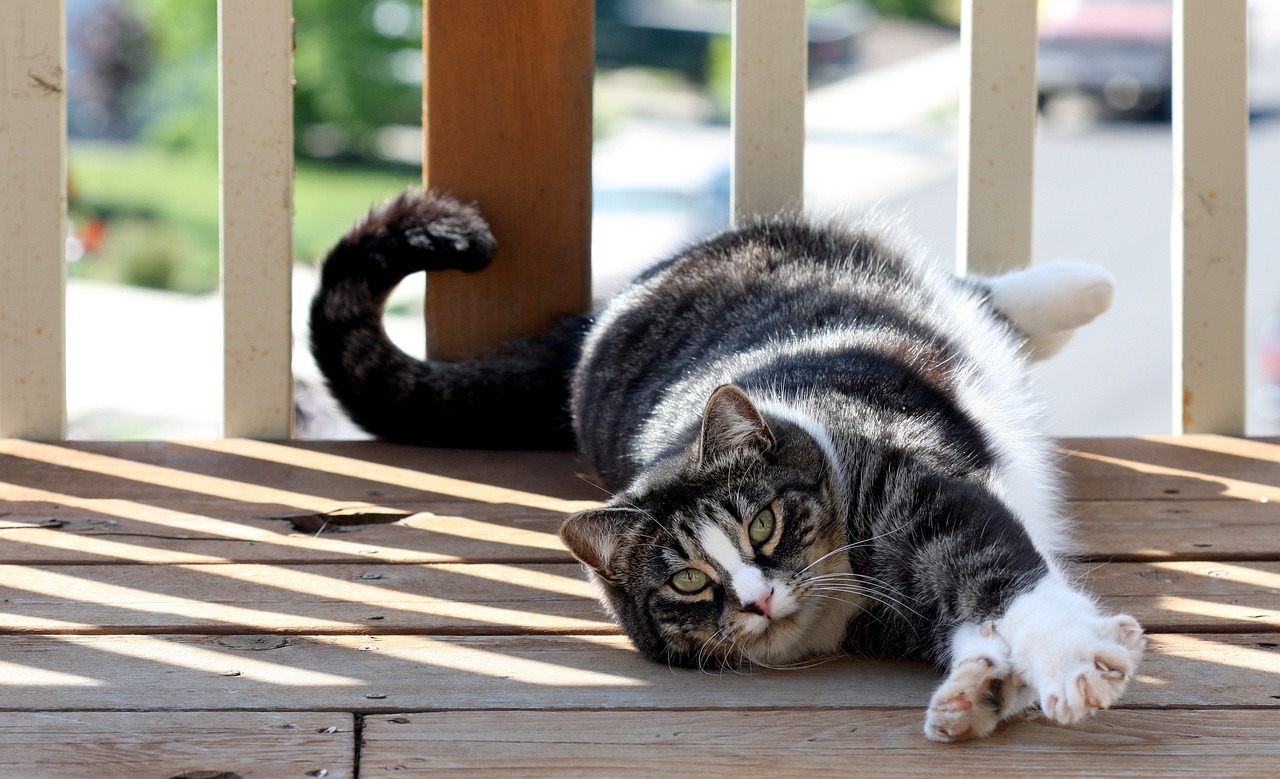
<point x="815" y="447"/>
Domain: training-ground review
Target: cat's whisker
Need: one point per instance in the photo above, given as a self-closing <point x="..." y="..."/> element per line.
<point x="886" y="600"/>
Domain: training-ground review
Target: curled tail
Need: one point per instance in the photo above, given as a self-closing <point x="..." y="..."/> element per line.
<point x="514" y="398"/>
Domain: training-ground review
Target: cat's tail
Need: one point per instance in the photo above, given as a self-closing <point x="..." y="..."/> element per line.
<point x="514" y="398"/>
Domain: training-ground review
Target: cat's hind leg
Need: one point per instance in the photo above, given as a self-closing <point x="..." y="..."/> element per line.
<point x="1048" y="302"/>
<point x="1076" y="659"/>
<point x="980" y="690"/>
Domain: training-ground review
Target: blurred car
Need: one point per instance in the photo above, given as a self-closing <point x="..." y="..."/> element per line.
<point x="1121" y="51"/>
<point x="677" y="34"/>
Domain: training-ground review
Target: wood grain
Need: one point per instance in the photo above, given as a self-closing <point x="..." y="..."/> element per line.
<point x="504" y="599"/>
<point x="408" y="673"/>
<point x="1195" y="467"/>
<point x="783" y="742"/>
<point x="507" y="121"/>
<point x="345" y="598"/>
<point x="33" y="223"/>
<point x="73" y="745"/>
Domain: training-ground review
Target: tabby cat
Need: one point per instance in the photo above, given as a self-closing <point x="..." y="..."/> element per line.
<point x="815" y="446"/>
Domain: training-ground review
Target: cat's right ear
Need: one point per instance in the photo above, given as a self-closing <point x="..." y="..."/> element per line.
<point x="594" y="535"/>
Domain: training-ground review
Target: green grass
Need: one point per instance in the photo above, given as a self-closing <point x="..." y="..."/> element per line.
<point x="161" y="211"/>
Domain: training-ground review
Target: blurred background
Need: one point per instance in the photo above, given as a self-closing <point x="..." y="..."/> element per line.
<point x="143" y="324"/>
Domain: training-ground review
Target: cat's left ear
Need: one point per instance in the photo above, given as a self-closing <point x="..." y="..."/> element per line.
<point x="731" y="423"/>
<point x="595" y="534"/>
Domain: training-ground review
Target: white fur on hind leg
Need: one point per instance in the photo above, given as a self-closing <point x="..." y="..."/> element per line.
<point x="979" y="691"/>
<point x="1048" y="302"/>
<point x="1075" y="659"/>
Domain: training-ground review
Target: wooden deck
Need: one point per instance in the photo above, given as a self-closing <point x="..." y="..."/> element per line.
<point x="363" y="609"/>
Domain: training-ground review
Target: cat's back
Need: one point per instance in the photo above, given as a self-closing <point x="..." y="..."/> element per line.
<point x="737" y="303"/>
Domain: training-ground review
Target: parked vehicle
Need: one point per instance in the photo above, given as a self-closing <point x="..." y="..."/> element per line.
<point x="1121" y="52"/>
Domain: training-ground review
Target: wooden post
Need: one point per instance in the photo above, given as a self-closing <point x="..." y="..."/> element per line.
<point x="33" y="226"/>
<point x="770" y="79"/>
<point x="507" y="120"/>
<point x="997" y="136"/>
<point x="1210" y="220"/>
<point x="255" y="64"/>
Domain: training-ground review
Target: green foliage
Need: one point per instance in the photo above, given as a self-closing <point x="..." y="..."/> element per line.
<point x="927" y="10"/>
<point x="355" y="66"/>
<point x="161" y="211"/>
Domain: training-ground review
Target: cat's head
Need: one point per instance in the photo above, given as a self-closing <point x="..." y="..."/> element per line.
<point x="709" y="558"/>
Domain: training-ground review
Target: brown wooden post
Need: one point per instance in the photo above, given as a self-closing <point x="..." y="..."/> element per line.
<point x="507" y="120"/>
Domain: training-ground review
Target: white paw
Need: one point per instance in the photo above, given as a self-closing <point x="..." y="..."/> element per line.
<point x="965" y="706"/>
<point x="980" y="691"/>
<point x="1053" y="298"/>
<point x="1075" y="660"/>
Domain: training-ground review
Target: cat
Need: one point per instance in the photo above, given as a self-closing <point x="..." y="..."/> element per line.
<point x="815" y="447"/>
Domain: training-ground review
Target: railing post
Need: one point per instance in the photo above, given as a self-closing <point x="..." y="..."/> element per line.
<point x="770" y="80"/>
<point x="33" y="226"/>
<point x="1210" y="220"/>
<point x="507" y="121"/>
<point x="255" y="65"/>
<point x="997" y="136"/>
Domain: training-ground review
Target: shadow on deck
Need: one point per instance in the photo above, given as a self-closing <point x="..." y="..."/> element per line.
<point x="344" y="609"/>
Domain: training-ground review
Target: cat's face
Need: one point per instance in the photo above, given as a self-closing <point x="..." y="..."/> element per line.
<point x="714" y="557"/>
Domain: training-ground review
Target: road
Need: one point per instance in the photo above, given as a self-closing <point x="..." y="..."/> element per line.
<point x="1103" y="194"/>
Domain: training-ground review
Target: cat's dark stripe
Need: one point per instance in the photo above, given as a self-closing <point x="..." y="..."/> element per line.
<point x="516" y="398"/>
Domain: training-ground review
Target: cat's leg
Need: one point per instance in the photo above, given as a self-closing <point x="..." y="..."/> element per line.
<point x="1048" y="302"/>
<point x="980" y="690"/>
<point x="1075" y="659"/>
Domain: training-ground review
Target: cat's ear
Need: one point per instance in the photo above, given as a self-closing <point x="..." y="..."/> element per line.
<point x="594" y="535"/>
<point x="731" y="424"/>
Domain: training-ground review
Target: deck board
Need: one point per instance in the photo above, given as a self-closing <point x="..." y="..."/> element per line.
<point x="407" y="673"/>
<point x="116" y="744"/>
<point x="788" y="742"/>
<point x="504" y="599"/>
<point x="196" y="590"/>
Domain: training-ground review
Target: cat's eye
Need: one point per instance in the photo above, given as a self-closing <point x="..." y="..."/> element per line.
<point x="690" y="581"/>
<point x="761" y="527"/>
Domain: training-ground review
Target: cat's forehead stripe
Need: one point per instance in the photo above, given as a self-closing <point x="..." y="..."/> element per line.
<point x="744" y="579"/>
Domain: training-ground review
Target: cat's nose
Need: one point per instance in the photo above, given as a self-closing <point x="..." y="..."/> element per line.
<point x="762" y="606"/>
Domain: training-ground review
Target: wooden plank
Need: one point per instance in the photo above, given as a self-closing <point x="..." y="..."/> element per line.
<point x="173" y="744"/>
<point x="1210" y="217"/>
<point x="1204" y="597"/>
<point x="770" y="79"/>
<point x="507" y="119"/>
<point x="43" y="528"/>
<point x="331" y="474"/>
<point x="33" y="207"/>
<point x="255" y="66"/>
<point x="361" y="598"/>
<point x="406" y="673"/>
<point x="63" y="529"/>
<point x="822" y="743"/>
<point x="1175" y="530"/>
<point x="159" y="472"/>
<point x="997" y="136"/>
<point x="1172" y="468"/>
<point x="494" y="599"/>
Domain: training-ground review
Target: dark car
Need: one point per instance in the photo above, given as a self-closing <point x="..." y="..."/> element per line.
<point x="677" y="34"/>
<point x="1120" y="51"/>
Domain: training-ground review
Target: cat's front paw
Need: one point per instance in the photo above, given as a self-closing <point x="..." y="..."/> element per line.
<point x="965" y="706"/>
<point x="1091" y="670"/>
<point x="980" y="690"/>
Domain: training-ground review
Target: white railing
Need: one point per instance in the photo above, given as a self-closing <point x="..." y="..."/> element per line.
<point x="995" y="226"/>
